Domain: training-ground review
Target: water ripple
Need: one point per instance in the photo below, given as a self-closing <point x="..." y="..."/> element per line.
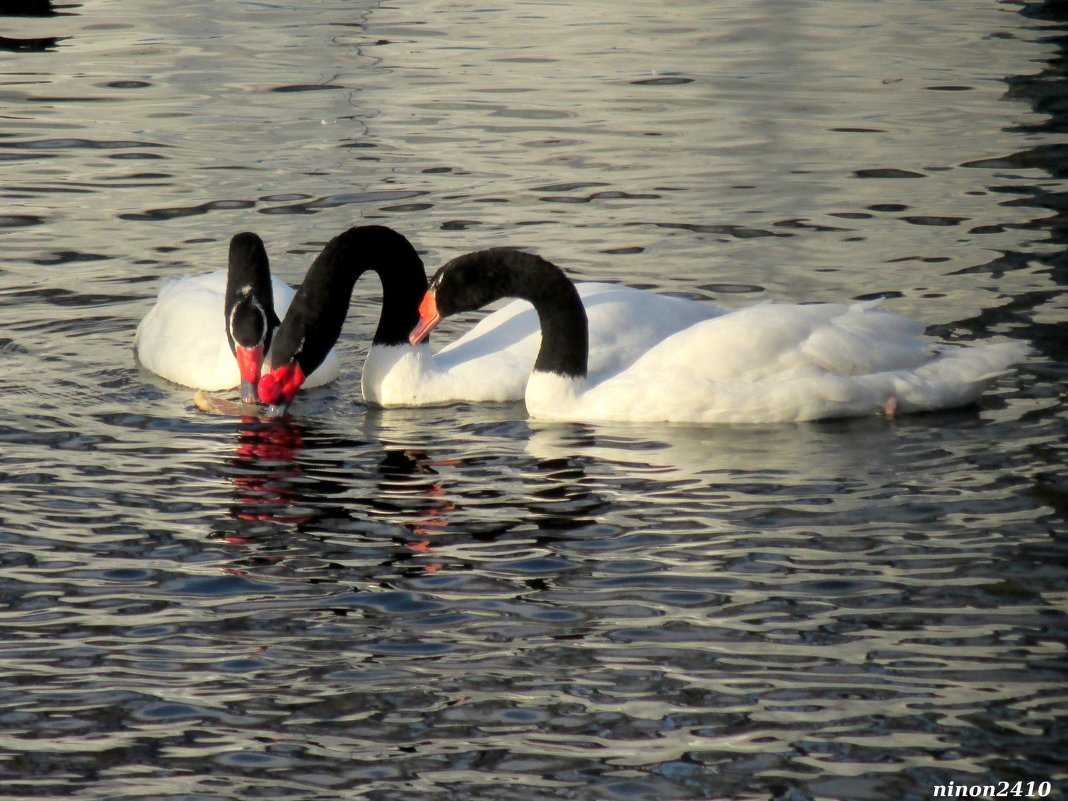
<point x="457" y="602"/>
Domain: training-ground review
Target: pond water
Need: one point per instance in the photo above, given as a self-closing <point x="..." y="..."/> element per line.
<point x="455" y="603"/>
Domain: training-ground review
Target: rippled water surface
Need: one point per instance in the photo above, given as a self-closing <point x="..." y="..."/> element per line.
<point x="455" y="603"/>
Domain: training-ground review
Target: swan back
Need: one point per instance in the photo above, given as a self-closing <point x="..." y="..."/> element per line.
<point x="183" y="336"/>
<point x="782" y="363"/>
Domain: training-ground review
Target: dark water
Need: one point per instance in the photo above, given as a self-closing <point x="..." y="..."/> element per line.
<point x="455" y="603"/>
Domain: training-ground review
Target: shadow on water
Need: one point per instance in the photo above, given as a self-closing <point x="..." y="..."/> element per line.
<point x="32" y="45"/>
<point x="1047" y="93"/>
<point x="33" y="8"/>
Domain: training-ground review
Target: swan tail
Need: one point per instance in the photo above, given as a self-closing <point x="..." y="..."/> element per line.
<point x="957" y="376"/>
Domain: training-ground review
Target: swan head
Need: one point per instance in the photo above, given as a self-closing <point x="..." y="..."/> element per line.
<point x="290" y="365"/>
<point x="300" y="346"/>
<point x="466" y="283"/>
<point x="249" y="332"/>
<point x="249" y="309"/>
<point x="477" y="279"/>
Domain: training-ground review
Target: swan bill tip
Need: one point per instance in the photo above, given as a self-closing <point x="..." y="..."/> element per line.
<point x="429" y="317"/>
<point x="275" y="410"/>
<point x="249" y="391"/>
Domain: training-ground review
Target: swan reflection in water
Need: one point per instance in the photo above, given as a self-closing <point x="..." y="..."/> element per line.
<point x="290" y="474"/>
<point x="34" y="8"/>
<point x="266" y="471"/>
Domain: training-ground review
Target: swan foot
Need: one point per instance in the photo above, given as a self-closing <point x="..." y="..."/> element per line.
<point x="890" y="407"/>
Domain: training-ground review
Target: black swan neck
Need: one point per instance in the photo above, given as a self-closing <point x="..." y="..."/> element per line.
<point x="333" y="275"/>
<point x="485" y="276"/>
<point x="315" y="318"/>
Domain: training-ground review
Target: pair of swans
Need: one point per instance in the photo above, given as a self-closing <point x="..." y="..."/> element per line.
<point x="585" y="352"/>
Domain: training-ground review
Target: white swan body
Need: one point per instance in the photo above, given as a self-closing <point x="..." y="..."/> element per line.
<point x="781" y="363"/>
<point x="762" y="364"/>
<point x="183" y="336"/>
<point x="493" y="361"/>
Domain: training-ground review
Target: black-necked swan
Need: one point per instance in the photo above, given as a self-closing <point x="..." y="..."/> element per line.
<point x="772" y="362"/>
<point x="492" y="362"/>
<point x="212" y="331"/>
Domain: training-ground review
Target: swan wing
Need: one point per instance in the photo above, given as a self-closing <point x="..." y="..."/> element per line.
<point x="778" y="362"/>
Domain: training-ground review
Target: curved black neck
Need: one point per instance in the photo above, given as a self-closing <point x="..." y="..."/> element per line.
<point x="476" y="279"/>
<point x="315" y="318"/>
